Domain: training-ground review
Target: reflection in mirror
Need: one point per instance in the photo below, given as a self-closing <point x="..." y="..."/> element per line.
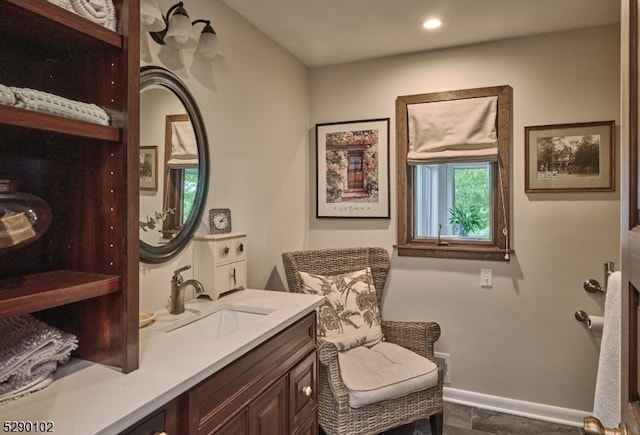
<point x="181" y="180"/>
<point x="171" y="205"/>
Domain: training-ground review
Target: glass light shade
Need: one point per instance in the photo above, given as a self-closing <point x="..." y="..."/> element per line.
<point x="180" y="32"/>
<point x="209" y="46"/>
<point x="150" y="15"/>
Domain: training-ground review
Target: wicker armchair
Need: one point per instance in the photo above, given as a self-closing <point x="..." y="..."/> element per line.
<point x="335" y="414"/>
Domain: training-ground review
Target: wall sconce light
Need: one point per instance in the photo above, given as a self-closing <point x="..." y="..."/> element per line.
<point x="176" y="29"/>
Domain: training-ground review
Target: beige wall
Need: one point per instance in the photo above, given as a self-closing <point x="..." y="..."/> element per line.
<point x="255" y="105"/>
<point x="517" y="340"/>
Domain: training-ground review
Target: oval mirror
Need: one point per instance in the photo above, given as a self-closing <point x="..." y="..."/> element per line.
<point x="174" y="165"/>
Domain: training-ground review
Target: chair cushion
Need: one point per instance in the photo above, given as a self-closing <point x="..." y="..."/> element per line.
<point x="350" y="315"/>
<point x="384" y="371"/>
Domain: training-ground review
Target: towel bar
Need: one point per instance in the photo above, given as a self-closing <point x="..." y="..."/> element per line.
<point x="592" y="286"/>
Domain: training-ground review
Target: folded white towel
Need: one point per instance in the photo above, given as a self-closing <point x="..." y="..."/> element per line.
<point x="99" y="11"/>
<point x="40" y="101"/>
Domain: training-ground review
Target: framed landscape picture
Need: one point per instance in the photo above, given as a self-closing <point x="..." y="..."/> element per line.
<point x="570" y="157"/>
<point x="352" y="172"/>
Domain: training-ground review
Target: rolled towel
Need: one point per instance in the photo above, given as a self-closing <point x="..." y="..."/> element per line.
<point x="99" y="11"/>
<point x="7" y="97"/>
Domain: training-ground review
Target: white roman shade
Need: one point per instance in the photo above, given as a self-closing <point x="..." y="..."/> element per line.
<point x="184" y="148"/>
<point x="453" y="131"/>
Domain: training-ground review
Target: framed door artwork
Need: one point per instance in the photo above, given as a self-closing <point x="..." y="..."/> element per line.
<point x="352" y="169"/>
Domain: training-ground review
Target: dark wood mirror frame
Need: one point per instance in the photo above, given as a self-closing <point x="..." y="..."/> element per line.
<point x="153" y="75"/>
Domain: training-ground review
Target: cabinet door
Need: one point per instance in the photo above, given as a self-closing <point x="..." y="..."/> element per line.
<point x="308" y="427"/>
<point x="237" y="426"/>
<point x="303" y="394"/>
<point x="268" y="412"/>
<point x="231" y="276"/>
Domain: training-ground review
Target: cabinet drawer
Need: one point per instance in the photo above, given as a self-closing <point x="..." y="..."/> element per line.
<point x="164" y="420"/>
<point x="230" y="249"/>
<point x="152" y="425"/>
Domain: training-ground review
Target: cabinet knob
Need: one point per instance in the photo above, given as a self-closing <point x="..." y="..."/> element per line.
<point x="225" y="250"/>
<point x="307" y="391"/>
<point x="241" y="247"/>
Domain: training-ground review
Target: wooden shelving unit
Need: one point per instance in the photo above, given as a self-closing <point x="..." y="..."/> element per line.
<point x="82" y="275"/>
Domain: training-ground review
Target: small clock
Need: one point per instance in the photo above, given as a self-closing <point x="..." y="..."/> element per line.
<point x="219" y="220"/>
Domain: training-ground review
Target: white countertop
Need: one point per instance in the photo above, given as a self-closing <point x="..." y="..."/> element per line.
<point x="88" y="398"/>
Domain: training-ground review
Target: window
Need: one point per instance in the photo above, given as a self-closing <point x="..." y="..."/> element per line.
<point x="453" y="181"/>
<point x="189" y="188"/>
<point x="452" y="200"/>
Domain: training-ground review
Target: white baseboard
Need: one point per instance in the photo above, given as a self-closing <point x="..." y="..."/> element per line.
<point x="566" y="416"/>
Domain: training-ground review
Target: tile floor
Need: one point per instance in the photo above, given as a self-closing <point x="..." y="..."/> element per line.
<point x="464" y="420"/>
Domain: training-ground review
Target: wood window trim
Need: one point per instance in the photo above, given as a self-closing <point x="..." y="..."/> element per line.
<point x="407" y="244"/>
<point x="173" y="192"/>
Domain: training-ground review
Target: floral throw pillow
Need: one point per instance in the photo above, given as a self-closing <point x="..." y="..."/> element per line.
<point x="350" y="316"/>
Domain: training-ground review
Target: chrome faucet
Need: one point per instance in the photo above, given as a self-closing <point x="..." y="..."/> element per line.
<point x="176" y="303"/>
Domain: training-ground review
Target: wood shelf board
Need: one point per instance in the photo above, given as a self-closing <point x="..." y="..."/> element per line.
<point x="40" y="291"/>
<point x="18" y="117"/>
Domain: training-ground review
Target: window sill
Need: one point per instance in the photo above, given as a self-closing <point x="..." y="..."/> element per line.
<point x="464" y="252"/>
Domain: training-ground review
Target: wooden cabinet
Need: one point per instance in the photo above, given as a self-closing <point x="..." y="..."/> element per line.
<point x="302" y="396"/>
<point x="271" y="390"/>
<point x="268" y="411"/>
<point x="82" y="275"/>
<point x="238" y="425"/>
<point x="220" y="262"/>
<point x="163" y="421"/>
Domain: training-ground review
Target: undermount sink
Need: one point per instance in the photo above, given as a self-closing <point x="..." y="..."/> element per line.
<point x="218" y="324"/>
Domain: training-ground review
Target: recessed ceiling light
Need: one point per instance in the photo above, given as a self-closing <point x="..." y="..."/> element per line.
<point x="432" y="23"/>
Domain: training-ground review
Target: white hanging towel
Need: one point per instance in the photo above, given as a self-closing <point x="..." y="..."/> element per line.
<point x="606" y="406"/>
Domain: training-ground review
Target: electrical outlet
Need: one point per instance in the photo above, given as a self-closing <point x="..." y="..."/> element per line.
<point x="486" y="278"/>
<point x="442" y="359"/>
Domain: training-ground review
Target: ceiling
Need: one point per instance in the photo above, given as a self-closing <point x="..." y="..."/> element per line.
<point x="325" y="32"/>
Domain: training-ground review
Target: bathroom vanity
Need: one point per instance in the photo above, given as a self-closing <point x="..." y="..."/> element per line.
<point x="245" y="363"/>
